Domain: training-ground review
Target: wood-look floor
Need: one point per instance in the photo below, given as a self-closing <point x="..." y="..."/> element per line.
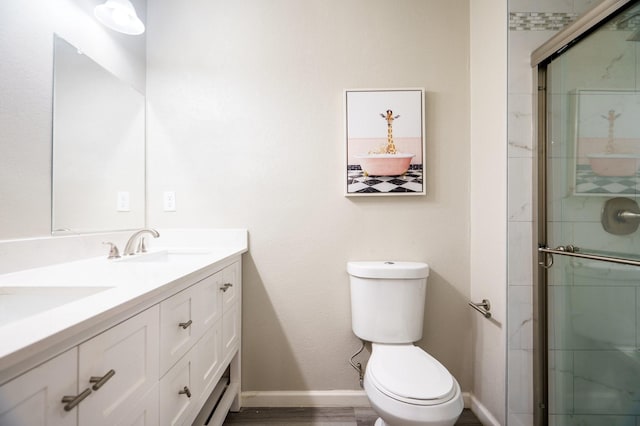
<point x="306" y="416"/>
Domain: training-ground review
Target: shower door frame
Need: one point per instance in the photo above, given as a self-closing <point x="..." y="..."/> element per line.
<point x="540" y="344"/>
<point x="540" y="59"/>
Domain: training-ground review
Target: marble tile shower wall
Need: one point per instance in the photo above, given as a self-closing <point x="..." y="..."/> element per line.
<point x="531" y="23"/>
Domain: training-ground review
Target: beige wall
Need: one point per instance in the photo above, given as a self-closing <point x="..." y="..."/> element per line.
<point x="488" y="206"/>
<point x="246" y="126"/>
<point x="26" y="75"/>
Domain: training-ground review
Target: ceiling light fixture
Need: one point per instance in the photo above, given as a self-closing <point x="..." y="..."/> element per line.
<point x="119" y="15"/>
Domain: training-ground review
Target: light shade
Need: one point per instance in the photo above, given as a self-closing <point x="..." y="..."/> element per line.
<point x="119" y="15"/>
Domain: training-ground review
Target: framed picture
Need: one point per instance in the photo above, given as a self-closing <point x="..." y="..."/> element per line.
<point x="606" y="142"/>
<point x="384" y="133"/>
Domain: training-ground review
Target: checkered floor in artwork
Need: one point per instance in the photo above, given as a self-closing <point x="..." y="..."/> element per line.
<point x="588" y="182"/>
<point x="357" y="182"/>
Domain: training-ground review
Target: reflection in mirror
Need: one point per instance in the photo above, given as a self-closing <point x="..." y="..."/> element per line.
<point x="98" y="181"/>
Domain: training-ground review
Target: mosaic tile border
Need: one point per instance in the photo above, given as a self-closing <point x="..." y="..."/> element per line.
<point x="540" y="21"/>
<point x="554" y="21"/>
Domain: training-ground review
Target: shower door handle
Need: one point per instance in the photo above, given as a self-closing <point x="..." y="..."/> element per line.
<point x="573" y="251"/>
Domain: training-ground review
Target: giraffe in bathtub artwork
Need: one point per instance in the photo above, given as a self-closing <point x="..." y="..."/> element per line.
<point x="379" y="161"/>
<point x="390" y="148"/>
<point x="386" y="160"/>
<point x="611" y="117"/>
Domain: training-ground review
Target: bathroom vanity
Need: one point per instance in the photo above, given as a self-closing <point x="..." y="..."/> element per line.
<point x="149" y="339"/>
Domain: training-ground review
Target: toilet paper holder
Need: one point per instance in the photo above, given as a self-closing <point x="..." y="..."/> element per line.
<point x="483" y="307"/>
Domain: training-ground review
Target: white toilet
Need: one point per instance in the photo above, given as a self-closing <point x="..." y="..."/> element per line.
<point x="405" y="385"/>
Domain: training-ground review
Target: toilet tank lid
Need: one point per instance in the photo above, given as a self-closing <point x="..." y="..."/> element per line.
<point x="388" y="269"/>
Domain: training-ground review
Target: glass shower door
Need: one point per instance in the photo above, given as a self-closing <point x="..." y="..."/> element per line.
<point x="592" y="216"/>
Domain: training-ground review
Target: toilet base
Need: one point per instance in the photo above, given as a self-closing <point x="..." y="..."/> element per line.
<point x="381" y="422"/>
<point x="396" y="413"/>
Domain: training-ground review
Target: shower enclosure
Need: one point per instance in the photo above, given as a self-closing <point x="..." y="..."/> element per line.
<point x="587" y="296"/>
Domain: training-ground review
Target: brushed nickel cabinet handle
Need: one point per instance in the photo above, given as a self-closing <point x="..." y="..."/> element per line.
<point x="226" y="286"/>
<point x="185" y="391"/>
<point x="71" y="401"/>
<point x="185" y="325"/>
<point x="98" y="382"/>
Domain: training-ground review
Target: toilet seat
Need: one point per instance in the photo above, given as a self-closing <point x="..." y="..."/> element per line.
<point x="408" y="374"/>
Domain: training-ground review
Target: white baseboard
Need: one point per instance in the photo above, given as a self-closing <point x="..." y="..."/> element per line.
<point x="481" y="412"/>
<point x="342" y="398"/>
<point x="332" y="398"/>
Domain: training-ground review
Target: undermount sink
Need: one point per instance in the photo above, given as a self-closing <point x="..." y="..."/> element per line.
<point x="21" y="302"/>
<point x="165" y="255"/>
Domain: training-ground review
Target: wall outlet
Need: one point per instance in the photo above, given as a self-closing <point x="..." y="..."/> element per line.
<point x="169" y="201"/>
<point x="123" y="204"/>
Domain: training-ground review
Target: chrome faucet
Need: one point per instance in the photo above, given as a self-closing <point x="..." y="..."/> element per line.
<point x="133" y="248"/>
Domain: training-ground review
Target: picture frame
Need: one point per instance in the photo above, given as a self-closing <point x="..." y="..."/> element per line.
<point x="384" y="142"/>
<point x="606" y="142"/>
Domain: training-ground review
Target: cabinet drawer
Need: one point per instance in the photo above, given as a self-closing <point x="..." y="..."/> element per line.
<point x="130" y="351"/>
<point x="178" y="327"/>
<point x="231" y="281"/>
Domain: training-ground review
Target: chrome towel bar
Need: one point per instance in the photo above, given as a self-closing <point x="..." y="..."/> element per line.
<point x="484" y="307"/>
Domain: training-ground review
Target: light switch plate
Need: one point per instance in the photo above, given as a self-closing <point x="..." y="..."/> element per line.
<point x="123" y="203"/>
<point x="169" y="201"/>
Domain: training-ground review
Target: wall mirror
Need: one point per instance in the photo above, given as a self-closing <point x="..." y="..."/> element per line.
<point x="98" y="181"/>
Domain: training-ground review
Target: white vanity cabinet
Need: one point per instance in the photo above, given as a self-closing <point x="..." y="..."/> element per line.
<point x="211" y="308"/>
<point x="159" y="365"/>
<point x="102" y="378"/>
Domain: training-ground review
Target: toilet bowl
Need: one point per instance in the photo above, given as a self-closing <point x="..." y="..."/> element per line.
<point x="408" y="387"/>
<point x="405" y="385"/>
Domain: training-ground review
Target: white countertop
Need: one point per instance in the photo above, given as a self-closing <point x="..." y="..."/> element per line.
<point x="120" y="285"/>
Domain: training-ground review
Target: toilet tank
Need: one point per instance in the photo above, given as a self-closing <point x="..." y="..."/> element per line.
<point x="387" y="300"/>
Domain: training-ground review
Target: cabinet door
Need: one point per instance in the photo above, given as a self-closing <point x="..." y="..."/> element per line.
<point x="35" y="398"/>
<point x="125" y="358"/>
<point x="209" y="300"/>
<point x="207" y="359"/>
<point x="178" y="327"/>
<point x="230" y="332"/>
<point x="144" y="413"/>
<point x="231" y="280"/>
<point x="178" y="393"/>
